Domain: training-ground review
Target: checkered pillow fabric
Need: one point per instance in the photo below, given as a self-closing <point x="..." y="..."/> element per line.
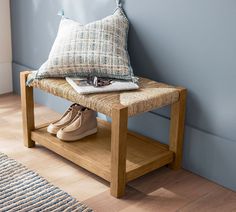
<point x="95" y="49"/>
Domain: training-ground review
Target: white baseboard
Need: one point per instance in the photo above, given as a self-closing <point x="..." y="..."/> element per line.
<point x="5" y="78"/>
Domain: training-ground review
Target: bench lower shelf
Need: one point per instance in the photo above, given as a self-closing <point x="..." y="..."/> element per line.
<point x="94" y="152"/>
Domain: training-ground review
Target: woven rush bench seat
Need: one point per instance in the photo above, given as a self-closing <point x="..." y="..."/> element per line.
<point x="114" y="153"/>
<point x="151" y="95"/>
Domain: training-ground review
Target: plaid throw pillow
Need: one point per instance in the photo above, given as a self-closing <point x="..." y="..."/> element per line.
<point x="95" y="49"/>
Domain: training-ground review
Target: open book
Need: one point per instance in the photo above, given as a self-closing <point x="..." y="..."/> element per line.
<point x="82" y="87"/>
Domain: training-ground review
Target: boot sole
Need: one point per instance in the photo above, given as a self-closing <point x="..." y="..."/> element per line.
<point x="78" y="137"/>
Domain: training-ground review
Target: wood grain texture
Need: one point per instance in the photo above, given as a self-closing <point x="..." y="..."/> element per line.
<point x="94" y="152"/>
<point x="27" y="104"/>
<point x="149" y="165"/>
<point x="118" y="150"/>
<point x="178" y="110"/>
<point x="221" y="200"/>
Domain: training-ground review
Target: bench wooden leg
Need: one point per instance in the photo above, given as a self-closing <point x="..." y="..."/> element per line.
<point x="27" y="107"/>
<point x="118" y="150"/>
<point x="177" y="129"/>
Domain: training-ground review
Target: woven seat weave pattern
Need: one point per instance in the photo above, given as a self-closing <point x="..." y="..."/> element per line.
<point x="151" y="95"/>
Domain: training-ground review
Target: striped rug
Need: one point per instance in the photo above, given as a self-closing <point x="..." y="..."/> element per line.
<point x="23" y="190"/>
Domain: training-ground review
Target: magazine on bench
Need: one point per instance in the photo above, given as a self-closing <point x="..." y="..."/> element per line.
<point x="82" y="86"/>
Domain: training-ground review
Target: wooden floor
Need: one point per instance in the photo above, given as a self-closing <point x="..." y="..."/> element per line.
<point x="161" y="190"/>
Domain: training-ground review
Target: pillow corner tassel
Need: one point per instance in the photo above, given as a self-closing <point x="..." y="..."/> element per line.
<point x="61" y="13"/>
<point x="119" y="3"/>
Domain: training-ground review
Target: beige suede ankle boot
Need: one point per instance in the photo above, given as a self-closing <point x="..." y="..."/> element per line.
<point x="84" y="124"/>
<point x="67" y="117"/>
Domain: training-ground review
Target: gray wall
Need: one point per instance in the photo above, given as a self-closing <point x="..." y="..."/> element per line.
<point x="188" y="43"/>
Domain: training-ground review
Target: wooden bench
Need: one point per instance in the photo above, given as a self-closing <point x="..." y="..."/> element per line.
<point x="114" y="153"/>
